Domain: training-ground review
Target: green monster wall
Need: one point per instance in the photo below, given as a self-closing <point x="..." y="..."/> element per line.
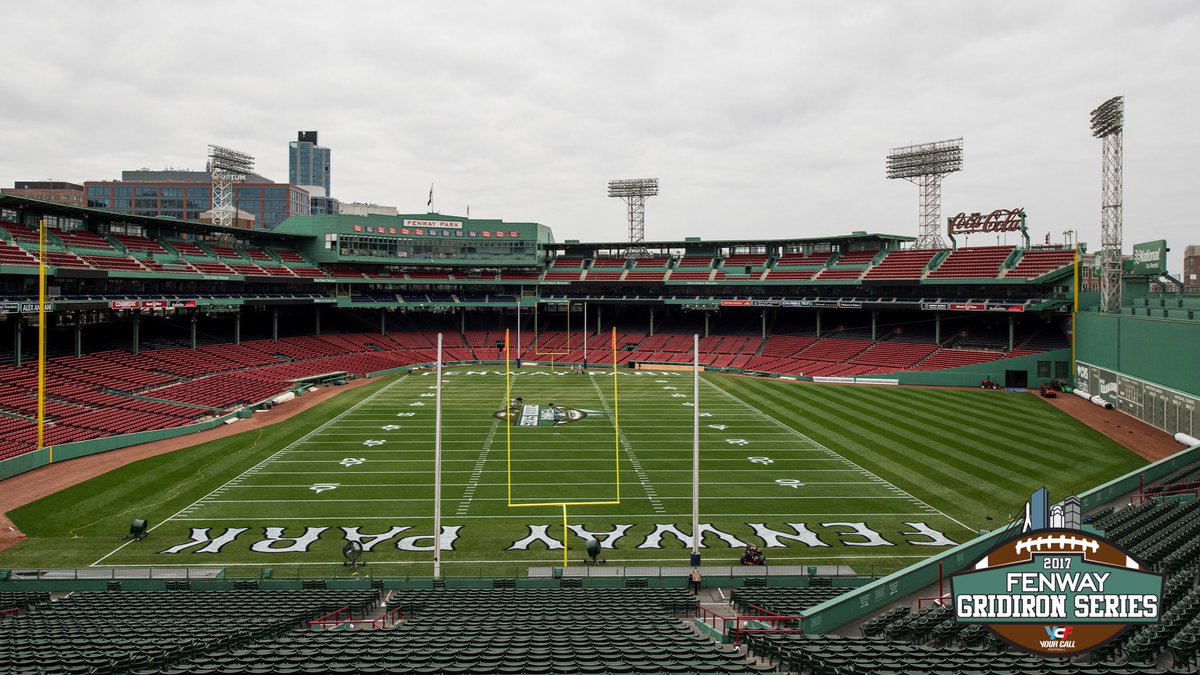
<point x="1162" y="351"/>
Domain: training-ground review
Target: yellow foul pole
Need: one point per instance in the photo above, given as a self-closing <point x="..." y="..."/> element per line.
<point x="616" y="419"/>
<point x="41" y="386"/>
<point x="508" y="417"/>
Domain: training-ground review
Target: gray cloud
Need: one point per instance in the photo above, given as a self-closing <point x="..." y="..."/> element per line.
<point x="766" y="119"/>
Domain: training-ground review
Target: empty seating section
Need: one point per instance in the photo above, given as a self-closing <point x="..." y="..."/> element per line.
<point x="224" y="390"/>
<point x="650" y="263"/>
<point x="644" y="276"/>
<point x="784" y="601"/>
<point x="154" y="631"/>
<point x="693" y="262"/>
<point x="752" y="261"/>
<point x="1038" y="262"/>
<point x="906" y="264"/>
<point x="64" y="260"/>
<point x="16" y="256"/>
<point x="981" y="262"/>
<point x="811" y="260"/>
<point x="956" y="358"/>
<point x="189" y="250"/>
<point x="510" y="631"/>
<point x="690" y="276"/>
<point x="856" y="258"/>
<point x="715" y="351"/>
<point x="308" y="272"/>
<point x="604" y="276"/>
<point x="795" y="275"/>
<point x="609" y="263"/>
<point x="563" y="276"/>
<point x="567" y="263"/>
<point x="20" y="233"/>
<point x="225" y="252"/>
<point x="75" y="239"/>
<point x="116" y="392"/>
<point x="508" y="275"/>
<point x="134" y="243"/>
<point x="212" y="268"/>
<point x="112" y="263"/>
<point x="259" y="255"/>
<point x="894" y="355"/>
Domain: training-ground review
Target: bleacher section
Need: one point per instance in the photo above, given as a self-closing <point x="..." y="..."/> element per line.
<point x="16" y="256"/>
<point x="848" y="267"/>
<point x="972" y="263"/>
<point x="138" y="244"/>
<point x="1036" y="263"/>
<point x="568" y="631"/>
<point x="898" y="265"/>
<point x="155" y="631"/>
<point x="82" y="239"/>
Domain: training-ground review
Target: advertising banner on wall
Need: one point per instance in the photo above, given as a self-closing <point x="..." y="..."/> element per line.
<point x="1150" y="258"/>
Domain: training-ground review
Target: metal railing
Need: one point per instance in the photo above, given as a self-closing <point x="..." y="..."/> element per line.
<point x="734" y="627"/>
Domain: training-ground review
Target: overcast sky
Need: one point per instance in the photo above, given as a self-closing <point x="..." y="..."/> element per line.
<point x="760" y="119"/>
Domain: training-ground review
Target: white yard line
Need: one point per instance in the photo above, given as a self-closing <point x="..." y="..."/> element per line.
<point x="477" y="471"/>
<point x="835" y="455"/>
<point x="647" y="486"/>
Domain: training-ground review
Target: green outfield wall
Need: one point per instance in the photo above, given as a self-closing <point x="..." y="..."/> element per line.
<point x="1146" y="367"/>
<point x="1163" y="351"/>
<point x="1039" y="369"/>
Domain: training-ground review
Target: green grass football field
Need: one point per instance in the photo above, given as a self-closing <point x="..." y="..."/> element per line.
<point x="873" y="478"/>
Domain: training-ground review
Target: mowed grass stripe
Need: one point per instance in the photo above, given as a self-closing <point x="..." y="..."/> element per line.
<point x="951" y="443"/>
<point x="900" y="463"/>
<point x="1035" y="416"/>
<point x="956" y="487"/>
<point x="905" y="456"/>
<point x="1017" y="461"/>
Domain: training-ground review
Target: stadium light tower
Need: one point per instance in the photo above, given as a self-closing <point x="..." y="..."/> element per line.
<point x="925" y="165"/>
<point x="634" y="192"/>
<point x="227" y="167"/>
<point x="1108" y="122"/>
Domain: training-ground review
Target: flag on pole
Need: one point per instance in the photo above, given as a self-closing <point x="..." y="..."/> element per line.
<point x="1047" y="237"/>
<point x="430" y="202"/>
<point x="468" y="210"/>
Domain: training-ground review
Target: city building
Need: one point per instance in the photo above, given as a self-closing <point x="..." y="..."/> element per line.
<point x="320" y="203"/>
<point x="59" y="192"/>
<point x="188" y="194"/>
<point x="308" y="162"/>
<point x="1191" y="268"/>
<point x="361" y="209"/>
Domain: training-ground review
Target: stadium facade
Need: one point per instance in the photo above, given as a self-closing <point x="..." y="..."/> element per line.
<point x="855" y="307"/>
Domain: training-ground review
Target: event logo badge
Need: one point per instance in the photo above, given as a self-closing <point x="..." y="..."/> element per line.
<point x="1056" y="589"/>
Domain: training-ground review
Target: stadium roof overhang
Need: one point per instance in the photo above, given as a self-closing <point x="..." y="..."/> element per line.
<point x="155" y="223"/>
<point x="891" y="241"/>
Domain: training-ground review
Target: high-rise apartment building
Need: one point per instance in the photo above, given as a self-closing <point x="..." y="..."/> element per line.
<point x="308" y="163"/>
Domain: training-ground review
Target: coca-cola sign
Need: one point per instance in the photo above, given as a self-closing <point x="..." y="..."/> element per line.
<point x="1000" y="220"/>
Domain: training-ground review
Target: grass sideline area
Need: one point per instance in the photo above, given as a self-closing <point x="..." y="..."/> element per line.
<point x="870" y="477"/>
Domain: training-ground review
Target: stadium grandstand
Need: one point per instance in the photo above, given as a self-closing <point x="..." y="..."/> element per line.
<point x="158" y="328"/>
<point x="143" y="308"/>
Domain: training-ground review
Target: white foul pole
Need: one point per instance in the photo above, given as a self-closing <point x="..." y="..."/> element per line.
<point x="585" y="332"/>
<point x="695" y="445"/>
<point x="437" y="468"/>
